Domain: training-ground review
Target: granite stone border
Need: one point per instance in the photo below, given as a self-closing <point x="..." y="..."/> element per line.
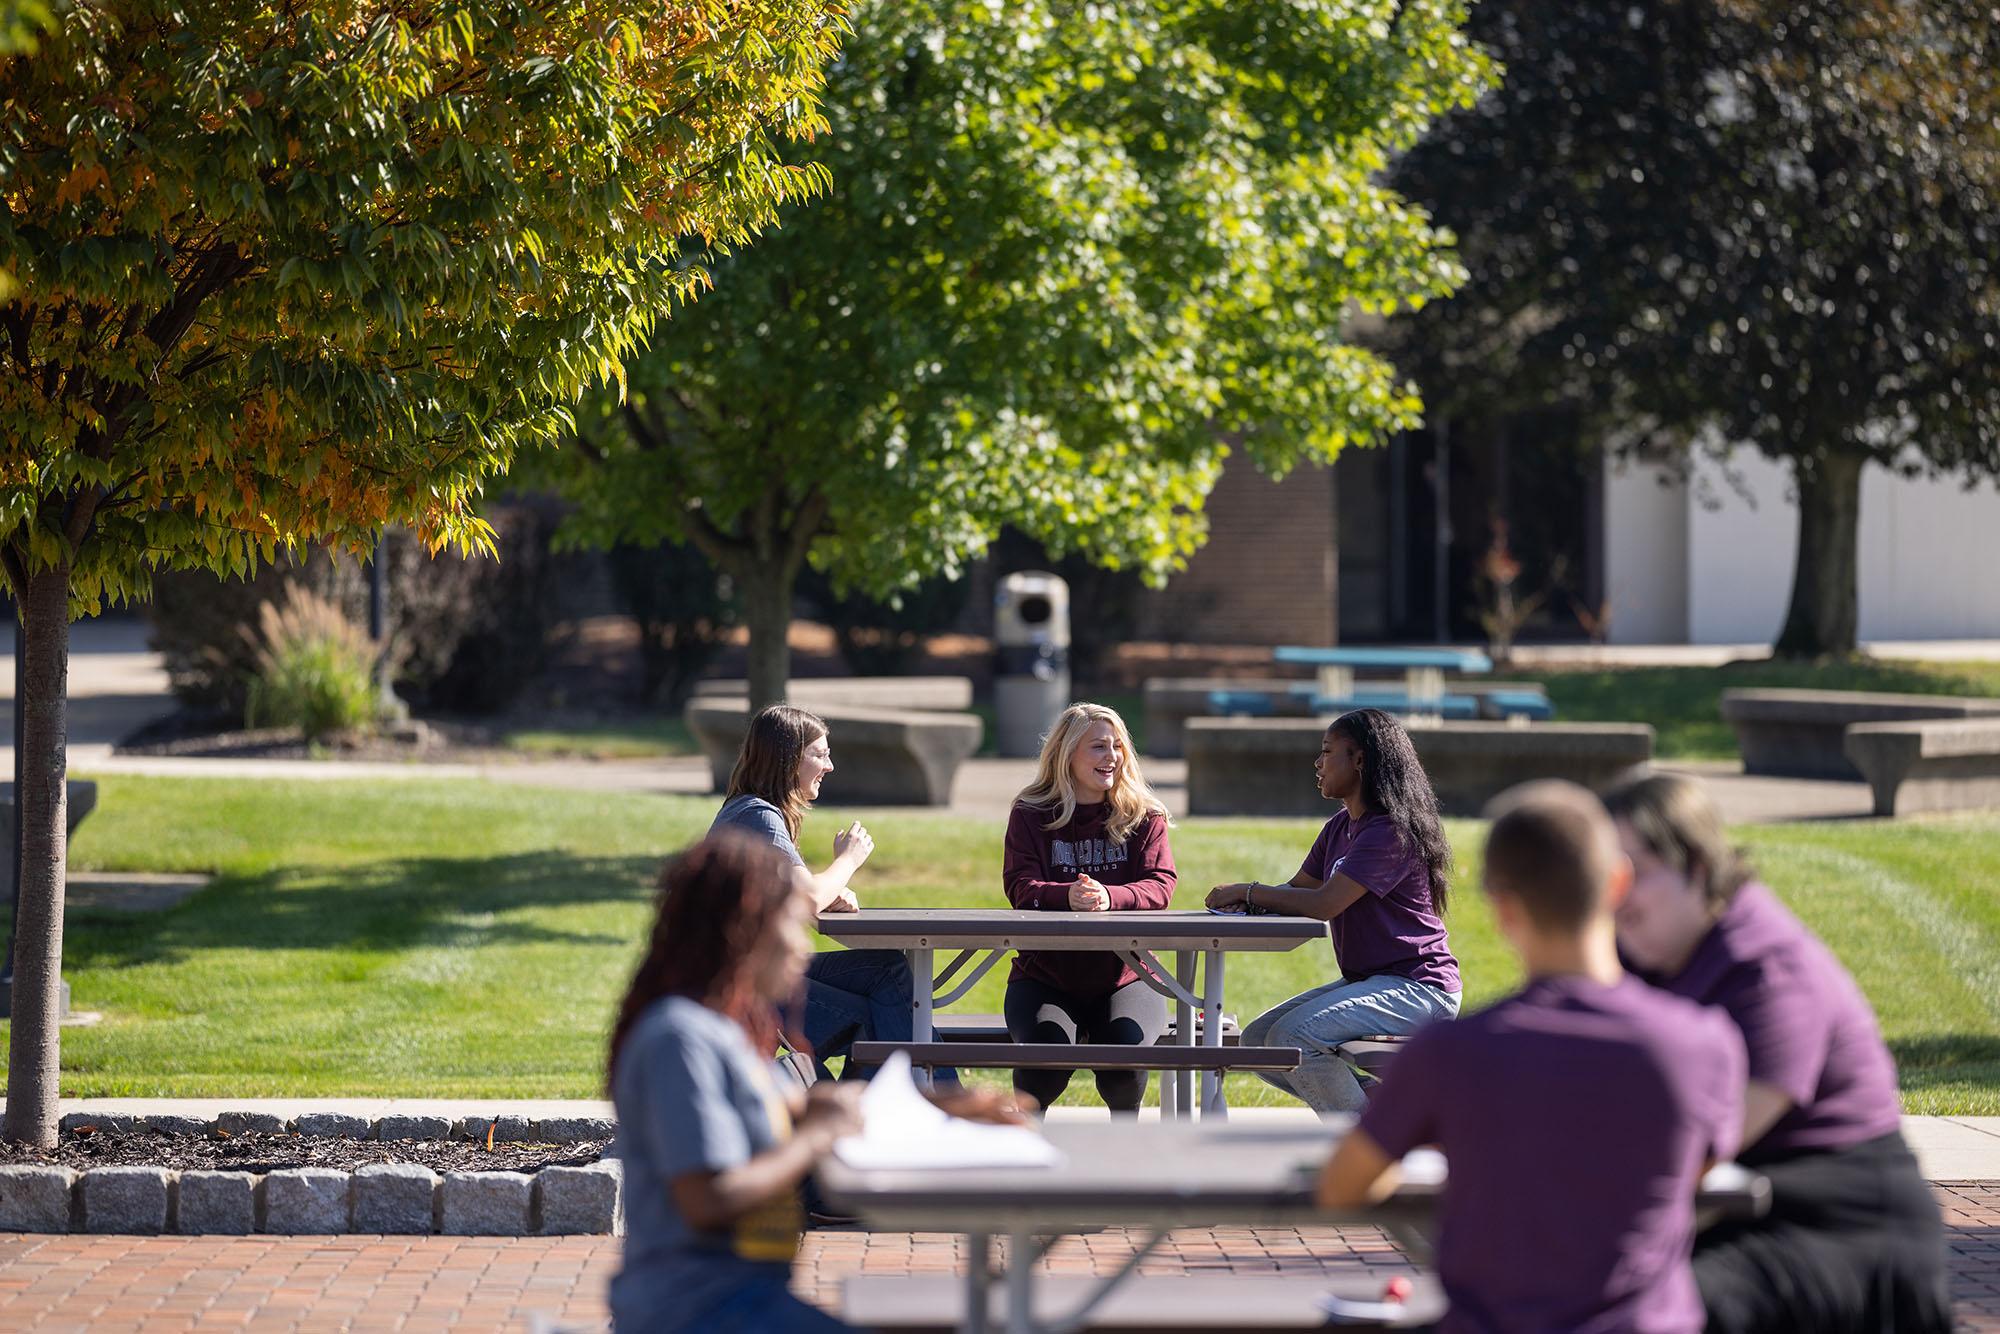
<point x="381" y="1198"/>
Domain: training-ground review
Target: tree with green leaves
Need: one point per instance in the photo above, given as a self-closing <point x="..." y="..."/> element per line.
<point x="1072" y="256"/>
<point x="1761" y="221"/>
<point x="288" y="275"/>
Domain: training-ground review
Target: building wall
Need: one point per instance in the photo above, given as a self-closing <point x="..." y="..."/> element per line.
<point x="1268" y="572"/>
<point x="1645" y="554"/>
<point x="1926" y="546"/>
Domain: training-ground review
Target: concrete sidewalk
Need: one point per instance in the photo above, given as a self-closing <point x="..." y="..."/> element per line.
<point x="1949" y="1148"/>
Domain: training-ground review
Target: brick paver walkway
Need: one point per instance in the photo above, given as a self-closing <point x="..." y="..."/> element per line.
<point x="114" y="1285"/>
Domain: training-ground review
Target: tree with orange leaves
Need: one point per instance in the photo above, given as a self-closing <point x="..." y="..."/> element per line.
<point x="285" y="274"/>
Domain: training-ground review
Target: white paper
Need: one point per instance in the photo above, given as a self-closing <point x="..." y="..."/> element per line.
<point x="902" y="1129"/>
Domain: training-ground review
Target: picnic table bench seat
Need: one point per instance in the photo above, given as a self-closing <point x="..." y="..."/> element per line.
<point x="1181" y="1303"/>
<point x="1079" y="1056"/>
<point x="950" y="1026"/>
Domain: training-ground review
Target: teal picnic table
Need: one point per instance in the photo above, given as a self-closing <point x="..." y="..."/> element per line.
<point x="1423" y="677"/>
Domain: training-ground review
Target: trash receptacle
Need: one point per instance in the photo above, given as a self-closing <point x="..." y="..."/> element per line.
<point x="1031" y="670"/>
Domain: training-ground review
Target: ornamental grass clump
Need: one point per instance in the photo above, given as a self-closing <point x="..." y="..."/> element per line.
<point x="313" y="668"/>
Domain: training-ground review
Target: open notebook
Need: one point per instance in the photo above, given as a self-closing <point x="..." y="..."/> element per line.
<point x="902" y="1129"/>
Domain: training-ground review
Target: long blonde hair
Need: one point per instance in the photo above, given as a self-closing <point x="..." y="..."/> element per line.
<point x="1054" y="788"/>
<point x="768" y="764"/>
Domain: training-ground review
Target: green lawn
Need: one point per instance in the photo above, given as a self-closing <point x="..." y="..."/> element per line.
<point x="1684" y="704"/>
<point x="628" y="737"/>
<point x="468" y="939"/>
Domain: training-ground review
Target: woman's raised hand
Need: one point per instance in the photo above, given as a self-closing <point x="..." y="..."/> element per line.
<point x="1086" y="895"/>
<point x="853" y="843"/>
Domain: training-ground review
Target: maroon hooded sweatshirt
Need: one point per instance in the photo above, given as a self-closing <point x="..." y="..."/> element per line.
<point x="1041" y="865"/>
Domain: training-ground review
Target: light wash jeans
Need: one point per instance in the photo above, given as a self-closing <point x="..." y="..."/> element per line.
<point x="1327" y="1016"/>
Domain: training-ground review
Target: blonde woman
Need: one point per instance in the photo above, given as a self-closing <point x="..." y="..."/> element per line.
<point x="1087" y="835"/>
<point x="850" y="995"/>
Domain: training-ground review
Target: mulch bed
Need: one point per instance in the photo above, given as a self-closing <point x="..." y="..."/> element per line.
<point x="269" y="1153"/>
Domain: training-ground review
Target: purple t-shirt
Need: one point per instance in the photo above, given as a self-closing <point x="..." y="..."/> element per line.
<point x="1808" y="1028"/>
<point x="1576" y="1119"/>
<point x="1394" y="927"/>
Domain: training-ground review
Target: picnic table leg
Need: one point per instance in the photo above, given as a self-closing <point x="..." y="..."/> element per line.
<point x="1021" y="1255"/>
<point x="1212" y="1103"/>
<point x="978" y="1317"/>
<point x="921" y="1029"/>
<point x="1182" y="1081"/>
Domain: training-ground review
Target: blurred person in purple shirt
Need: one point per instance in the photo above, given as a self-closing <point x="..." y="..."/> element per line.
<point x="1853" y="1240"/>
<point x="1576" y="1115"/>
<point x="1376" y="875"/>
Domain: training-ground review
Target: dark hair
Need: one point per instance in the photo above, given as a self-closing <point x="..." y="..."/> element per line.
<point x="768" y="764"/>
<point x="1393" y="782"/>
<point x="716" y="901"/>
<point x="1553" y="848"/>
<point x="1677" y="822"/>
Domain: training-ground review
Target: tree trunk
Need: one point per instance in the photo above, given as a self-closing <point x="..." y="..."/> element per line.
<point x="34" y="1061"/>
<point x="767" y="612"/>
<point x="1824" y="618"/>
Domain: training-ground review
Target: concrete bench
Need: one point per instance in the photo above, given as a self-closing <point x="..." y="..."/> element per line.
<point x="1078" y="1056"/>
<point x="1263" y="766"/>
<point x="946" y="694"/>
<point x="1176" y="1303"/>
<point x="1172" y="700"/>
<point x="1803" y="733"/>
<point x="882" y="757"/>
<point x="1935" y="765"/>
<point x="952" y="1027"/>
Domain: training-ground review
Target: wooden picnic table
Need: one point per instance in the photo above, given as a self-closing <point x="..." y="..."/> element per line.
<point x="1423" y="668"/>
<point x="1155" y="1176"/>
<point x="1198" y="940"/>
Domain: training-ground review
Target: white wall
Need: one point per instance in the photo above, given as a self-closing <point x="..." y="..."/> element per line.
<point x="1709" y="561"/>
<point x="1645" y="554"/>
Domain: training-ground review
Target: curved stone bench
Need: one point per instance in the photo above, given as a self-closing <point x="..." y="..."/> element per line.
<point x="882" y="757"/>
<point x="1803" y="733"/>
<point x="1263" y="766"/>
<point x="1936" y="765"/>
<point x="948" y="694"/>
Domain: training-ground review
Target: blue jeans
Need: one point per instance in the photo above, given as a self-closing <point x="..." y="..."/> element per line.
<point x="858" y="996"/>
<point x="1321" y="1019"/>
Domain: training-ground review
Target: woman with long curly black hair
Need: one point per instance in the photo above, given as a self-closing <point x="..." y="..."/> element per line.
<point x="1377" y="874"/>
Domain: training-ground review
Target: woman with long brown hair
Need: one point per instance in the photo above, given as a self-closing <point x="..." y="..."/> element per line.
<point x="1853" y="1241"/>
<point x="850" y="995"/>
<point x="713" y="1150"/>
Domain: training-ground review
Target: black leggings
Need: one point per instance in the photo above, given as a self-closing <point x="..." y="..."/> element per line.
<point x="1134" y="1015"/>
<point x="1853" y="1244"/>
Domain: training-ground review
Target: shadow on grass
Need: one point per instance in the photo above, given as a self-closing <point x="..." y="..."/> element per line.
<point x="372" y="906"/>
<point x="1939" y="1060"/>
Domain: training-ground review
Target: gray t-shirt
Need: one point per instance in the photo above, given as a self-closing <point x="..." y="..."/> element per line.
<point x="692" y="1095"/>
<point x="761" y="818"/>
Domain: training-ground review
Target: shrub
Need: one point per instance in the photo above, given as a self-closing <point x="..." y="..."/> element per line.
<point x="882" y="638"/>
<point x="311" y="668"/>
<point x="465" y="634"/>
<point x="681" y="607"/>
